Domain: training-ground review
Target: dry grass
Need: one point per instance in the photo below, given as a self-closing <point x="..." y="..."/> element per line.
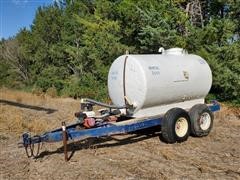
<point x="17" y="120"/>
<point x="13" y="120"/>
<point x="32" y="112"/>
<point x="52" y="92"/>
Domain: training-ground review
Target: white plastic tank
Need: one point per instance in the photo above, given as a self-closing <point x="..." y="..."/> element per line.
<point x="155" y="83"/>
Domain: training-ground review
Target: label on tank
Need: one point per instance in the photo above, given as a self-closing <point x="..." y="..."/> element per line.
<point x="114" y="75"/>
<point x="155" y="70"/>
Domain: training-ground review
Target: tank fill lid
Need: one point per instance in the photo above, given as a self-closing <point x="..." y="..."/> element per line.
<point x="173" y="51"/>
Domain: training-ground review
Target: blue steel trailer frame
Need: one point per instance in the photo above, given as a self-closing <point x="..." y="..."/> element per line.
<point x="106" y="129"/>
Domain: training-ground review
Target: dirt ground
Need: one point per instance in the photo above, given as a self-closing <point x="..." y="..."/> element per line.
<point x="131" y="156"/>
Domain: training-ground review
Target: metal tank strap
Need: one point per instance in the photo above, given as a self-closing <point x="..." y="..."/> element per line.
<point x="124" y="79"/>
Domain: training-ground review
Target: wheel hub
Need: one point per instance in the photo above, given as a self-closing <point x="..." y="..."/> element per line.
<point x="181" y="127"/>
<point x="205" y="121"/>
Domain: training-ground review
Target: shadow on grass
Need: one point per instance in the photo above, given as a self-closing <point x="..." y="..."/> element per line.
<point x="20" y="105"/>
<point x="103" y="142"/>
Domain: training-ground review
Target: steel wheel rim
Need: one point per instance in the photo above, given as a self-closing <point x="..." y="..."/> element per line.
<point x="205" y="121"/>
<point x="181" y="127"/>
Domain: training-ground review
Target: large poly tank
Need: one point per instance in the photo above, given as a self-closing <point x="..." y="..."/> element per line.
<point x="155" y="83"/>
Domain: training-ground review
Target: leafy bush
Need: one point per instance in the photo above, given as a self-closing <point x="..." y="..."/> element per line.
<point x="87" y="86"/>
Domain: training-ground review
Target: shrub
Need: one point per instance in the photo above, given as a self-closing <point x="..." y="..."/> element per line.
<point x="87" y="86"/>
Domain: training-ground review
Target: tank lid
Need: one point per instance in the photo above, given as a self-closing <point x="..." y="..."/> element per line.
<point x="174" y="51"/>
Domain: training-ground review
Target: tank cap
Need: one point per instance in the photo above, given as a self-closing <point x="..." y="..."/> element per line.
<point x="176" y="51"/>
<point x="161" y="50"/>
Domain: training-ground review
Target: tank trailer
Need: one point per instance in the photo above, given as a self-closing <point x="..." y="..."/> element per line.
<point x="165" y="90"/>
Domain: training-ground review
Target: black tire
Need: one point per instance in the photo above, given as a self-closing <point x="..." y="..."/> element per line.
<point x="196" y="113"/>
<point x="169" y="132"/>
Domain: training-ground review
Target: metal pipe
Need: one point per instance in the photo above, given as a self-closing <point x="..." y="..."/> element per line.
<point x="103" y="104"/>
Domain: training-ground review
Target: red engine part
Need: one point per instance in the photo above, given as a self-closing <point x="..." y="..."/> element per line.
<point x="89" y="122"/>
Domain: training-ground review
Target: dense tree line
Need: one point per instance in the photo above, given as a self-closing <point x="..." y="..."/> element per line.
<point x="72" y="43"/>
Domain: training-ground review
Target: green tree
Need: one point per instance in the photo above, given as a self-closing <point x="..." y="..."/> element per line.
<point x="71" y="44"/>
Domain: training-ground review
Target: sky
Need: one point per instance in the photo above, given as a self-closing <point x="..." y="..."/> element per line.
<point x="16" y="14"/>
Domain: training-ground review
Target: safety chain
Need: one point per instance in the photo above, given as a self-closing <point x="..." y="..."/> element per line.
<point x="29" y="148"/>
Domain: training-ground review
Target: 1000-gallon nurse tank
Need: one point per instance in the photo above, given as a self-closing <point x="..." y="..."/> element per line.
<point x="155" y="83"/>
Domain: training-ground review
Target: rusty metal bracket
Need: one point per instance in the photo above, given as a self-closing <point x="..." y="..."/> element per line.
<point x="64" y="133"/>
